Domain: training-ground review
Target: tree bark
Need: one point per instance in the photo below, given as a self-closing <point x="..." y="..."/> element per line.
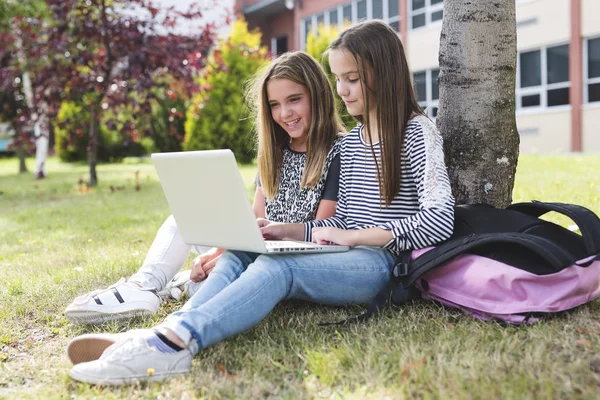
<point x="21" y="156"/>
<point x="27" y="91"/>
<point x="478" y="53"/>
<point x="93" y="145"/>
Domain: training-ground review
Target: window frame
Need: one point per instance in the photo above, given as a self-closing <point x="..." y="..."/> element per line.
<point x="274" y="49"/>
<point x="429" y="101"/>
<point x="428" y="9"/>
<point x="543" y="88"/>
<point x="340" y="17"/>
<point x="587" y="81"/>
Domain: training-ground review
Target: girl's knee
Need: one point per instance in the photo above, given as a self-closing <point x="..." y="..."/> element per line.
<point x="273" y="266"/>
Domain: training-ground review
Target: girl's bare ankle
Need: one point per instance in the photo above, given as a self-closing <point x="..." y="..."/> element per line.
<point x="173" y="337"/>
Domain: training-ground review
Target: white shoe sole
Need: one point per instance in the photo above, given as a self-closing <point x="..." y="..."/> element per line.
<point x="124" y="381"/>
<point x="97" y="317"/>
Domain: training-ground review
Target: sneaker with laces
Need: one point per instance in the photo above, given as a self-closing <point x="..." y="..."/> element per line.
<point x="124" y="299"/>
<point x="132" y="360"/>
<point x="174" y="290"/>
<point x="91" y="346"/>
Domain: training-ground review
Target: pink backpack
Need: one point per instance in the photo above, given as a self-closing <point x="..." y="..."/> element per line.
<point x="504" y="264"/>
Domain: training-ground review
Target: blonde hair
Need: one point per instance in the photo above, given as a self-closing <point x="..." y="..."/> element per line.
<point x="272" y="139"/>
<point x="379" y="54"/>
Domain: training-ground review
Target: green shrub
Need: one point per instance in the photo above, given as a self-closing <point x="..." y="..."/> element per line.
<point x="72" y="134"/>
<point x="316" y="46"/>
<point x="217" y="117"/>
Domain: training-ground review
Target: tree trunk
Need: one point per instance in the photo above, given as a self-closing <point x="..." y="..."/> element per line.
<point x="478" y="53"/>
<point x="28" y="92"/>
<point x="93" y="145"/>
<point x="21" y="155"/>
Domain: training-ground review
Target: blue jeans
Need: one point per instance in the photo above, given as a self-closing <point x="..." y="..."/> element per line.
<point x="244" y="287"/>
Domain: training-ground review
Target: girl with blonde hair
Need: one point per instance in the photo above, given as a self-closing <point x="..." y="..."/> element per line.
<point x="297" y="129"/>
<point x="394" y="196"/>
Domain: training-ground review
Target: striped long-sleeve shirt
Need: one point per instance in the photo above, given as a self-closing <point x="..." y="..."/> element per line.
<point x="420" y="215"/>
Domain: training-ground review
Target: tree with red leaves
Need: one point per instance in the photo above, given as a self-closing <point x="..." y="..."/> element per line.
<point x="106" y="53"/>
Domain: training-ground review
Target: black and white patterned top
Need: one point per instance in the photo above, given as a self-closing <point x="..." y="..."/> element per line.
<point x="421" y="214"/>
<point x="295" y="205"/>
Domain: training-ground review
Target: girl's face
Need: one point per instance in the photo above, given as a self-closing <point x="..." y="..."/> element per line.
<point x="290" y="109"/>
<point x="348" y="84"/>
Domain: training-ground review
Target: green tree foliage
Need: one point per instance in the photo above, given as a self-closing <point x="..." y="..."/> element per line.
<point x="22" y="8"/>
<point x="217" y="117"/>
<point x="316" y="46"/>
<point x="71" y="135"/>
<point x="70" y="140"/>
<point x="167" y="125"/>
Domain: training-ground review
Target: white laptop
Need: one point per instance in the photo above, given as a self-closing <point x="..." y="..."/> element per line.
<point x="211" y="206"/>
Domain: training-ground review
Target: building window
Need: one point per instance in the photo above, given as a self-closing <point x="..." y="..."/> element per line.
<point x="351" y="13"/>
<point x="279" y="45"/>
<point x="425" y="12"/>
<point x="427" y="90"/>
<point x="592" y="70"/>
<point x="543" y="77"/>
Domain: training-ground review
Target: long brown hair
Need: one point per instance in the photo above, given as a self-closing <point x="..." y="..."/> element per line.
<point x="384" y="74"/>
<point x="325" y="124"/>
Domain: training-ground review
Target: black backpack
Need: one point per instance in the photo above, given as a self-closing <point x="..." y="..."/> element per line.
<point x="506" y="264"/>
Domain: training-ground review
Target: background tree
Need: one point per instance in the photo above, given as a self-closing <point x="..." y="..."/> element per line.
<point x="217" y="117"/>
<point x="167" y="124"/>
<point x="478" y="50"/>
<point x="107" y="53"/>
<point x="16" y="99"/>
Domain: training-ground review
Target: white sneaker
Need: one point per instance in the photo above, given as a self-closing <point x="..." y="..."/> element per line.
<point x="122" y="300"/>
<point x="174" y="289"/>
<point x="192" y="287"/>
<point x="91" y="346"/>
<point x="131" y="360"/>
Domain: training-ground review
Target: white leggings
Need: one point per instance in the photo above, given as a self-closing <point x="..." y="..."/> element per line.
<point x="166" y="257"/>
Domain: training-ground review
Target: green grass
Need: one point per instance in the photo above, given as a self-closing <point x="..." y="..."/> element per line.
<point x="57" y="242"/>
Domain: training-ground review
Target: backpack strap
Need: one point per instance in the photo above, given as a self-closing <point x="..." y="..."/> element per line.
<point x="405" y="273"/>
<point x="586" y="220"/>
<point x="557" y="257"/>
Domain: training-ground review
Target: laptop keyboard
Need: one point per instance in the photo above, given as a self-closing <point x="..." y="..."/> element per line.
<point x="289" y="244"/>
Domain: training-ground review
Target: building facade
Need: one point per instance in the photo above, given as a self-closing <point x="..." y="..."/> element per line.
<point x="558" y="63"/>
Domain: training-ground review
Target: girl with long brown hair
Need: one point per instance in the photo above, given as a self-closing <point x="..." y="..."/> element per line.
<point x="394" y="196"/>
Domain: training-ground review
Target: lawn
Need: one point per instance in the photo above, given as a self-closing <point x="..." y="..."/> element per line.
<point x="58" y="239"/>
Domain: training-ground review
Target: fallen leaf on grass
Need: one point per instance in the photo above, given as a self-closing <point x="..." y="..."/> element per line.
<point x="410" y="366"/>
<point x="224" y="371"/>
<point x="583" y="342"/>
<point x="586" y="332"/>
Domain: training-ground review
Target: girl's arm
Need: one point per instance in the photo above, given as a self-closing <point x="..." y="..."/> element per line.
<point x="366" y="237"/>
<point x="326" y="209"/>
<point x="259" y="203"/>
<point x="435" y="220"/>
<point x="331" y="189"/>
